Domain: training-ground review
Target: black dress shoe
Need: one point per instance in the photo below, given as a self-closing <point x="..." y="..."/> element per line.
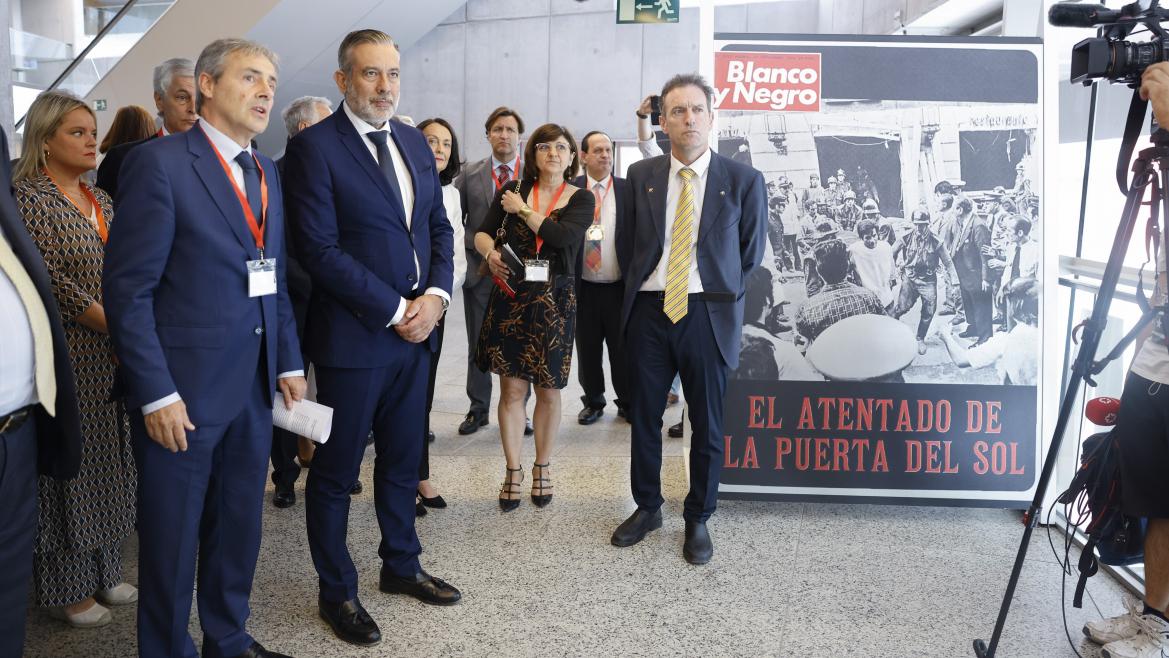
<point x="636" y="527"/>
<point x="350" y="621"/>
<point x="436" y="502"/>
<point x="969" y="333"/>
<point x="430" y="437"/>
<point x="422" y="586"/>
<point x="697" y="549"/>
<point x="257" y="650"/>
<point x="528" y="429"/>
<point x="472" y="423"/>
<point x="284" y="498"/>
<point x="419" y="509"/>
<point x="357" y="489"/>
<point x="621" y="414"/>
<point x="588" y="415"/>
<point x="675" y="431"/>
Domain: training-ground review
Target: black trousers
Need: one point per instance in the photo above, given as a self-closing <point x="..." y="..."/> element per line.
<point x="664" y="349"/>
<point x="474" y="310"/>
<point x="18" y="529"/>
<point x="598" y="325"/>
<point x="424" y="463"/>
<point x="979" y="307"/>
<point x="285" y="470"/>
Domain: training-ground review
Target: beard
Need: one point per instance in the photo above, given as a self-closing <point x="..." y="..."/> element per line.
<point x="364" y="107"/>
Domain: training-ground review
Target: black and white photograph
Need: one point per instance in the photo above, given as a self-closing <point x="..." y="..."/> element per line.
<point x="918" y="222"/>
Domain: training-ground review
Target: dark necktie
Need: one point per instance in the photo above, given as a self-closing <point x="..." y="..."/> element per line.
<point x="385" y="162"/>
<point x="1015" y="262"/>
<point x="504" y="172"/>
<point x="251" y="183"/>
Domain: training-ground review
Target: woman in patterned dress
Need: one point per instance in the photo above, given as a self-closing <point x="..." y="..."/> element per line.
<point x="83" y="521"/>
<point x="528" y="338"/>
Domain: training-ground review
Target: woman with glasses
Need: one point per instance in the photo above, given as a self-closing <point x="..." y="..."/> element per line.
<point x="530" y="325"/>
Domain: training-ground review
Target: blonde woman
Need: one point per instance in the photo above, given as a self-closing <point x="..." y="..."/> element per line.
<point x="83" y="521"/>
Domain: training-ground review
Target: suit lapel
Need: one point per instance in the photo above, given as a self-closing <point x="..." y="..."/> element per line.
<point x="488" y="183"/>
<point x="656" y="191"/>
<point x="218" y="186"/>
<point x="712" y="199"/>
<point x="355" y="144"/>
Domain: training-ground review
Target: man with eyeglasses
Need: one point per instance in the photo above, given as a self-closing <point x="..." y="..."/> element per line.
<point x="478" y="185"/>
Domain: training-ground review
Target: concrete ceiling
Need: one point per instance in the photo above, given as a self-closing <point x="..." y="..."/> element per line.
<point x="307" y="36"/>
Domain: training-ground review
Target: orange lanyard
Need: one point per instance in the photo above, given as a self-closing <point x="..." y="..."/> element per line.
<point x="515" y="172"/>
<point x="102" y="230"/>
<point x="160" y="133"/>
<point x="257" y="228"/>
<point x="601" y="198"/>
<point x="536" y="206"/>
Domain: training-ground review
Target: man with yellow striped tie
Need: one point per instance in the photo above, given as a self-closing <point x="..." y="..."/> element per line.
<point x="698" y="227"/>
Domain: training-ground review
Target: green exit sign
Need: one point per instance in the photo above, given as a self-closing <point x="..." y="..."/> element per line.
<point x="647" y="11"/>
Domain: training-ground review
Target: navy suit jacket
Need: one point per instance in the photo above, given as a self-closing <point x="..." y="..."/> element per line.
<point x="731" y="234"/>
<point x="58" y="437"/>
<point x="111" y="166"/>
<point x="355" y="244"/>
<point x="175" y="282"/>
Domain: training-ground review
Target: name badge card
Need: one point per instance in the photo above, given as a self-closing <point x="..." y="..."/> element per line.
<point x="537" y="270"/>
<point x="261" y="277"/>
<point x="595" y="233"/>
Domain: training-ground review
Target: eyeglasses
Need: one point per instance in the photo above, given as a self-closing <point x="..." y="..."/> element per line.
<point x="561" y="148"/>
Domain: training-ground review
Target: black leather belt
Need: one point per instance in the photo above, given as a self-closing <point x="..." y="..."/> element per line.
<point x="716" y="297"/>
<point x="14" y="420"/>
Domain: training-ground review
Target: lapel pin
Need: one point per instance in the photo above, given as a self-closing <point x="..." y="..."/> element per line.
<point x="722" y="192"/>
<point x="650" y="190"/>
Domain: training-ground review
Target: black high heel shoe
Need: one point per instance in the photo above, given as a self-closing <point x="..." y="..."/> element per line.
<point x="541" y="499"/>
<point x="509" y="489"/>
<point x="437" y="502"/>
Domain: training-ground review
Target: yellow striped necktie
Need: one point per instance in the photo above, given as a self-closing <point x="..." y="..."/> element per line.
<point x="45" y="374"/>
<point x="674" y="301"/>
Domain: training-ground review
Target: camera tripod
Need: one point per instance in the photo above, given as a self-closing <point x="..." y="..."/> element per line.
<point x="1150" y="169"/>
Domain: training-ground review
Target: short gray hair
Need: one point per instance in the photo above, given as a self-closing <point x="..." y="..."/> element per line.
<point x="213" y="60"/>
<point x="357" y="38"/>
<point x="165" y="73"/>
<point x="301" y="110"/>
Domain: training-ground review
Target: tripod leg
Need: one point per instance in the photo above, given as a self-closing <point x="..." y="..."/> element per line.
<point x="1081" y="370"/>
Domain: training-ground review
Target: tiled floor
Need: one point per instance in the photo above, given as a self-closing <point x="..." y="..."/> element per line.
<point x="787" y="579"/>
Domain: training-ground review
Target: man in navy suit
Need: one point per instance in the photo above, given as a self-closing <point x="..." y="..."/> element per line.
<point x="598" y="312"/>
<point x="698" y="228"/>
<point x="202" y="325"/>
<point x="39" y="423"/>
<point x="366" y="205"/>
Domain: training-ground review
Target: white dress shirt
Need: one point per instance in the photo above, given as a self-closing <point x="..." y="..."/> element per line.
<point x="454" y="213"/>
<point x="657" y="280"/>
<point x="229" y="150"/>
<point x="609" y="270"/>
<point x="406" y="185"/>
<point x="17" y="365"/>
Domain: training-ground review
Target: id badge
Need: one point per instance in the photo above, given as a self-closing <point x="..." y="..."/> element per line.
<point x="536" y="270"/>
<point x="261" y="277"/>
<point x="595" y="233"/>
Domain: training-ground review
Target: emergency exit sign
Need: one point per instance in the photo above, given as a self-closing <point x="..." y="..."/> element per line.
<point x="647" y="11"/>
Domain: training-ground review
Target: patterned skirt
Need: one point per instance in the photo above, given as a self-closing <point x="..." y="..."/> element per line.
<point x="531" y="335"/>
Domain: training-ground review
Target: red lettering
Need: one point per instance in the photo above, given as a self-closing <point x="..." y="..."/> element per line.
<point x="783" y="447"/>
<point x="942" y="418"/>
<point x="950" y="466"/>
<point x="754" y="411"/>
<point x="822" y="454"/>
<point x="750" y="459"/>
<point x="903" y="421"/>
<point x="844" y="409"/>
<point x="803" y="457"/>
<point x="806" y="422"/>
<point x="925" y="416"/>
<point x="1015" y="468"/>
<point x="827" y="404"/>
<point x="772" y="423"/>
<point x="880" y="460"/>
<point x="973" y="416"/>
<point x="861" y="445"/>
<point x="982" y="465"/>
<point x="884" y="406"/>
<point x="931" y="456"/>
<point x="840" y="454"/>
<point x="998" y="458"/>
<point x="912" y="456"/>
<point x="864" y="415"/>
<point x="727" y="463"/>
<point x="993" y="425"/>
